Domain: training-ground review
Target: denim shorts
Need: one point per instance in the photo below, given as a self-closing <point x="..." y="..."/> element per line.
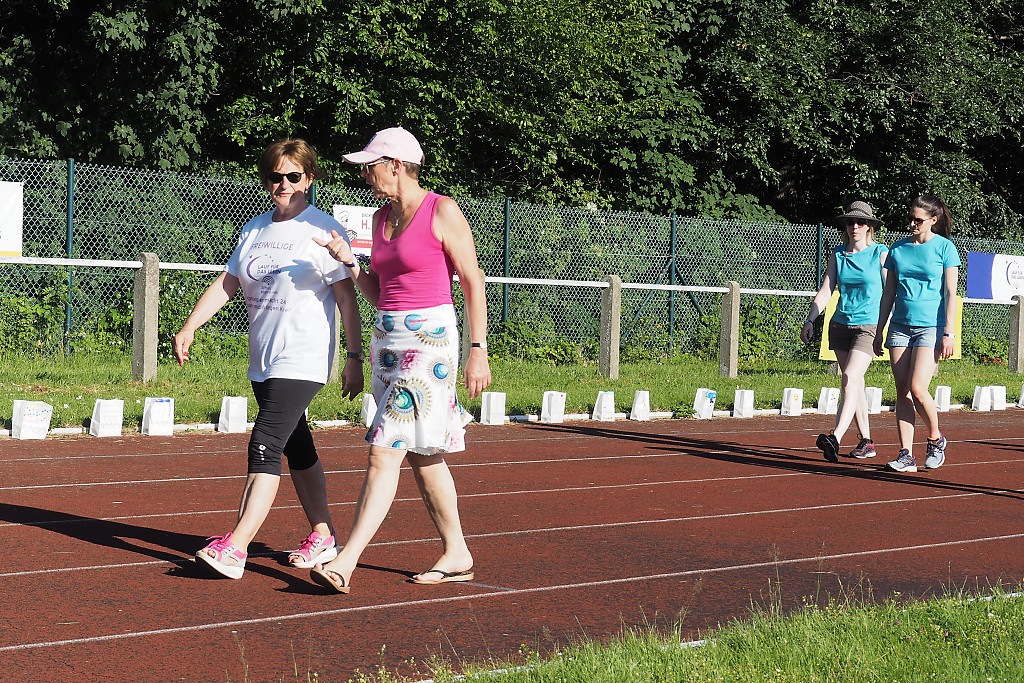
<point x="905" y="335"/>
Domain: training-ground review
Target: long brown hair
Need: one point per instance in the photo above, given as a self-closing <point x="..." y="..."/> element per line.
<point x="936" y="208"/>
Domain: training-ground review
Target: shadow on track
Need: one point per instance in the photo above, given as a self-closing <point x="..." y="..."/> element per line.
<point x="777" y="458"/>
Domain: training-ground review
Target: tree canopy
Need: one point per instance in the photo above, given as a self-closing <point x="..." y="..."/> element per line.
<point x="758" y="109"/>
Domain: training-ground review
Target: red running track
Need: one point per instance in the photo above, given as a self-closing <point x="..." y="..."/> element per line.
<point x="576" y="529"/>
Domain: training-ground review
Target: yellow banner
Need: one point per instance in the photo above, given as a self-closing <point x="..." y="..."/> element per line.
<point x="826" y="353"/>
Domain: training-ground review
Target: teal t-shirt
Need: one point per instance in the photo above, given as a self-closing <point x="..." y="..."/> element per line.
<point x="859" y="277"/>
<point x="920" y="290"/>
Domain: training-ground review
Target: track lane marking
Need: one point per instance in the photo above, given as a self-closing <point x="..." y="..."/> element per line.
<point x="537" y="530"/>
<point x="499" y="593"/>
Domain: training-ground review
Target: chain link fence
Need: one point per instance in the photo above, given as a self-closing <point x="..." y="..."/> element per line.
<point x="96" y="212"/>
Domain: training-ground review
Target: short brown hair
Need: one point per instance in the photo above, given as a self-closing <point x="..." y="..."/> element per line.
<point x="296" y="149"/>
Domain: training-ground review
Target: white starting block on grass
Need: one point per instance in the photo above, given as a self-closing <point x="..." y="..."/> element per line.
<point x="998" y="397"/>
<point x="1020" y="401"/>
<point x="234" y="414"/>
<point x="492" y="408"/>
<point x="942" y="396"/>
<point x="552" y="409"/>
<point x="158" y="417"/>
<point x="982" y="401"/>
<point x="704" y="403"/>
<point x="874" y="397"/>
<point x="792" y="401"/>
<point x="368" y="410"/>
<point x="828" y="401"/>
<point x="743" y="403"/>
<point x="31" y="419"/>
<point x="641" y="410"/>
<point x="604" y="407"/>
<point x="107" y="417"/>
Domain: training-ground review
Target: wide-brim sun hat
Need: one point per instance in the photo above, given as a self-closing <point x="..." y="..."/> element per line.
<point x="394" y="143"/>
<point x="858" y="211"/>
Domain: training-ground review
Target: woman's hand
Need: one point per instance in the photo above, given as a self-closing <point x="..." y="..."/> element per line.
<point x="338" y="246"/>
<point x="477" y="372"/>
<point x="876" y="345"/>
<point x="948" y="347"/>
<point x="182" y="342"/>
<point x="806" y="332"/>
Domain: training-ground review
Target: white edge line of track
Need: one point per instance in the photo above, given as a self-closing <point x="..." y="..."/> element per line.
<point x="498" y="593"/>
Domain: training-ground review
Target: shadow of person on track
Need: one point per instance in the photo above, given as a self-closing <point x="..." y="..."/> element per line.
<point x="778" y="457"/>
<point x="159" y="544"/>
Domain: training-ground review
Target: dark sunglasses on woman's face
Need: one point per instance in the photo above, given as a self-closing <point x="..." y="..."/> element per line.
<point x="917" y="221"/>
<point x="293" y="177"/>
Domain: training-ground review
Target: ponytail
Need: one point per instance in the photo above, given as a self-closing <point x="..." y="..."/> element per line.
<point x="937" y="208"/>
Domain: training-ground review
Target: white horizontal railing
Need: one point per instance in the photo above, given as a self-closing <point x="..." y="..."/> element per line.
<point x="147" y="293"/>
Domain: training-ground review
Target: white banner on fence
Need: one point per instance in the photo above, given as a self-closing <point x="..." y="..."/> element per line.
<point x="12" y="213"/>
<point x="994" y="276"/>
<point x="358" y="221"/>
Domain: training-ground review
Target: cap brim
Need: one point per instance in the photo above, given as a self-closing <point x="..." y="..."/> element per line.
<point x="363" y="157"/>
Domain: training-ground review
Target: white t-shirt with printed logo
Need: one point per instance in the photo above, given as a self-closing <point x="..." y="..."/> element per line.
<point x="286" y="278"/>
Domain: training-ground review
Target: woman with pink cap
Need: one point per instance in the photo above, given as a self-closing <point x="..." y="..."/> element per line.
<point x="420" y="241"/>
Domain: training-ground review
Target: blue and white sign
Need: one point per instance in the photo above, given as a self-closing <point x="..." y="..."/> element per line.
<point x="994" y="276"/>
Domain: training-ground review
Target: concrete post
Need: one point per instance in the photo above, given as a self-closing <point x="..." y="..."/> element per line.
<point x="1015" y="354"/>
<point x="611" y="313"/>
<point x="729" y="338"/>
<point x="339" y="350"/>
<point x="146" y="302"/>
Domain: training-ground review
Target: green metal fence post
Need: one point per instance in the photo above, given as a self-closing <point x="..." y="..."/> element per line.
<point x="70" y="250"/>
<point x="312" y="195"/>
<point x="672" y="280"/>
<point x="505" y="267"/>
<point x="821" y="251"/>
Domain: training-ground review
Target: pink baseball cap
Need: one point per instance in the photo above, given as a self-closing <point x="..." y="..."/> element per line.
<point x="396" y="143"/>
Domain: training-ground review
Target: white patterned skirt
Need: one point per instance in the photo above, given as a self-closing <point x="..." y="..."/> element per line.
<point x="414" y="361"/>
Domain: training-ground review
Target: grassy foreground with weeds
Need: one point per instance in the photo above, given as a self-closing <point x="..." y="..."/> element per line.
<point x="72" y="385"/>
<point x="956" y="637"/>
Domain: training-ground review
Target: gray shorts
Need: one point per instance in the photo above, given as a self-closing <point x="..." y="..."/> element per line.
<point x="851" y="337"/>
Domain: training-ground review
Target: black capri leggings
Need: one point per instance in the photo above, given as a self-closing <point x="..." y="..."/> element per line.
<point x="281" y="426"/>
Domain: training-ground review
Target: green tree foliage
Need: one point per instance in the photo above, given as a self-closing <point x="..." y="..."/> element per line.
<point x="755" y="109"/>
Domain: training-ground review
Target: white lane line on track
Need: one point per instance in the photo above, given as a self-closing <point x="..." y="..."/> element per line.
<point x="501" y="593"/>
<point x="717" y="436"/>
<point x="545" y="530"/>
<point x="574" y="489"/>
<point x="362" y="470"/>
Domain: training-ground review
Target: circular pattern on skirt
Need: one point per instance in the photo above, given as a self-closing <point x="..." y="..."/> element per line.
<point x="435" y="337"/>
<point x="387" y="322"/>
<point x="408" y="399"/>
<point x="414" y="321"/>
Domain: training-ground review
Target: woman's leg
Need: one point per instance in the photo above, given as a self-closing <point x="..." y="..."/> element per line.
<point x="437" y="488"/>
<point x="282" y="403"/>
<point x="923" y="362"/>
<point x="311" y="488"/>
<point x="853" y="403"/>
<point x="900" y="360"/>
<point x="375" y="499"/>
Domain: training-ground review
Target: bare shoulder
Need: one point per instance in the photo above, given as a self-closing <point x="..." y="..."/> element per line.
<point x="448" y="210"/>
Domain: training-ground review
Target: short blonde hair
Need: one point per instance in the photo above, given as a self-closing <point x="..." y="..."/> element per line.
<point x="296" y="149"/>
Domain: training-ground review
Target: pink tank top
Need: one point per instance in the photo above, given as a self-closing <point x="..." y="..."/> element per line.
<point x="414" y="270"/>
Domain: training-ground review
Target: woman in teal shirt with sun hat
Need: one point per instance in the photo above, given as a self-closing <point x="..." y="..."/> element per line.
<point x="920" y="291"/>
<point x="855" y="267"/>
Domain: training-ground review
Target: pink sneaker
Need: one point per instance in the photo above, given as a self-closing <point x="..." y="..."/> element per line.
<point x="314" y="549"/>
<point x="226" y="559"/>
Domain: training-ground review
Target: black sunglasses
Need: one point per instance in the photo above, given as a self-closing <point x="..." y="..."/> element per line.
<point x="293" y="177"/>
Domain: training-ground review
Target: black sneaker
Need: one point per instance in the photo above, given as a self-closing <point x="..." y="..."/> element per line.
<point x="865" y="449"/>
<point x="829" y="446"/>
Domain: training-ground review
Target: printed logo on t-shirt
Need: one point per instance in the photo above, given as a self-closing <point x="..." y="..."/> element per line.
<point x="263" y="269"/>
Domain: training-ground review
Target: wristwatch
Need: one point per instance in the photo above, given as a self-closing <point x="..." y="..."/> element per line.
<point x="950" y="335"/>
<point x="356" y="356"/>
<point x="479" y="345"/>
